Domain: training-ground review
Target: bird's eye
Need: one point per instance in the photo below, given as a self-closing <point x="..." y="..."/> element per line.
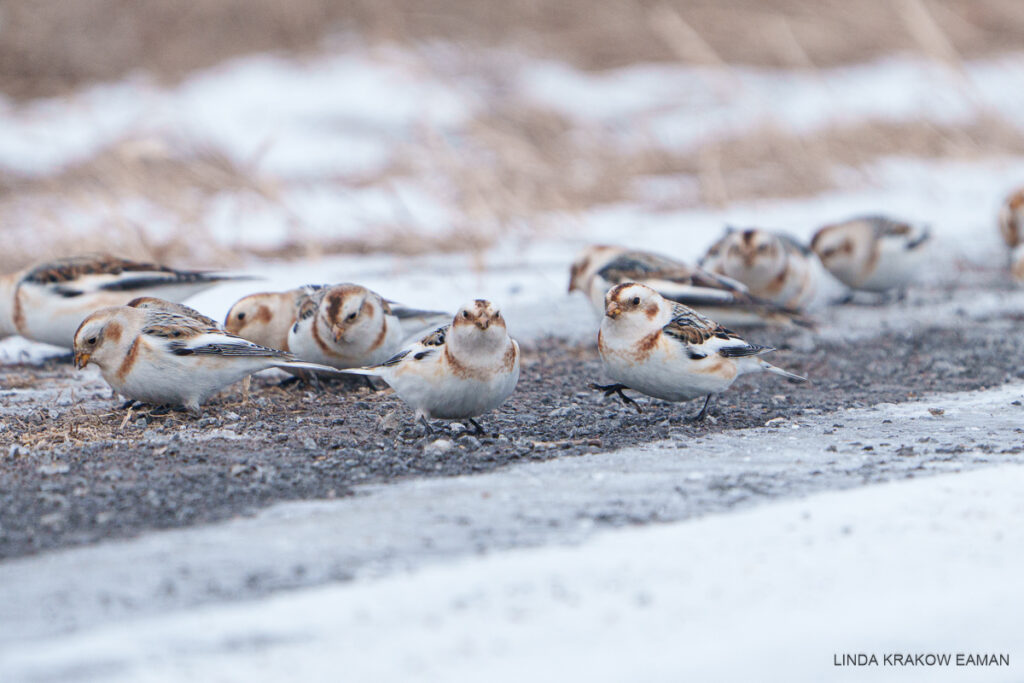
<point x="91" y="340"/>
<point x="636" y="301"/>
<point x="241" y="316"/>
<point x="465" y="314"/>
<point x="350" y="316"/>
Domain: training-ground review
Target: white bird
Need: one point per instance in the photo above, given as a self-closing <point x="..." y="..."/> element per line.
<point x="773" y="266"/>
<point x="599" y="268"/>
<point x="350" y="326"/>
<point x="266" y="317"/>
<point x="47" y="303"/>
<point x="1011" y="226"/>
<point x="872" y="253"/>
<point x="458" y="371"/>
<point x="168" y="359"/>
<point x="669" y="351"/>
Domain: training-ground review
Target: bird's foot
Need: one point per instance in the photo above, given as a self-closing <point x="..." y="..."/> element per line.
<point x="610" y="389"/>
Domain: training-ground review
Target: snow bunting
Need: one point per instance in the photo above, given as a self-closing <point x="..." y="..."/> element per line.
<point x="669" y="351"/>
<point x="872" y="253"/>
<point x="47" y="303"/>
<point x="266" y="317"/>
<point x="1011" y="225"/>
<point x="599" y="268"/>
<point x="350" y="326"/>
<point x="164" y="358"/>
<point x="458" y="371"/>
<point x="773" y="266"/>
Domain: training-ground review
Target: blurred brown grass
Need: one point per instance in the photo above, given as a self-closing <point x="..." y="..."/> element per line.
<point x="47" y="46"/>
<point x="513" y="169"/>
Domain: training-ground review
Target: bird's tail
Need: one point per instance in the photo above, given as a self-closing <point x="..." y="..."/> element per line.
<point x="366" y="372"/>
<point x="316" y="367"/>
<point x="768" y="367"/>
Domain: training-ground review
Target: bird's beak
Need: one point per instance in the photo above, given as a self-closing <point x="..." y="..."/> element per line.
<point x="339" y="332"/>
<point x="613" y="311"/>
<point x="82" y="359"/>
<point x="483" y="323"/>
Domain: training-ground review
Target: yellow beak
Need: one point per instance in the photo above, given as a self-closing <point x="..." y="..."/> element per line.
<point x="339" y="332"/>
<point x="82" y="359"/>
<point x="613" y="311"/>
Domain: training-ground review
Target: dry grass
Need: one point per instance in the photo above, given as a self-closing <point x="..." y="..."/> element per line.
<point x="47" y="46"/>
<point x="515" y="170"/>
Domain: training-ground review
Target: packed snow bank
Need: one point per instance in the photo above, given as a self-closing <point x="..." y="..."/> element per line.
<point x="771" y="594"/>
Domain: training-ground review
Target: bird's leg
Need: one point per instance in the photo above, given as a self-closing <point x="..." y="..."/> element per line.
<point x="610" y="389"/>
<point x="288" y="381"/>
<point x="844" y="299"/>
<point x="130" y="403"/>
<point x="476" y="425"/>
<point x="369" y="383"/>
<point x="703" y="411"/>
<point x="160" y="410"/>
<point x="426" y="425"/>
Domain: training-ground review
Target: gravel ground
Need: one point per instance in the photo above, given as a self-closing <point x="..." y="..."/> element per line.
<point x="77" y="470"/>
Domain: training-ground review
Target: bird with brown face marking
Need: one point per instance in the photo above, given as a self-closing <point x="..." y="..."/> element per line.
<point x="47" y="302"/>
<point x="669" y="351"/>
<point x="457" y="372"/>
<point x="266" y="317"/>
<point x="872" y="253"/>
<point x="773" y="266"/>
<point x="598" y="268"/>
<point x="164" y="358"/>
<point x="1011" y="226"/>
<point x="350" y="326"/>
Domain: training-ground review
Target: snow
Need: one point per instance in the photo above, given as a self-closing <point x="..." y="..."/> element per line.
<point x="773" y="593"/>
<point x="415" y="525"/>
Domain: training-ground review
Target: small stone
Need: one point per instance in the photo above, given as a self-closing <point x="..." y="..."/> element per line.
<point x="52" y="520"/>
<point x="564" y="411"/>
<point x="439" y="446"/>
<point x="141" y="423"/>
<point x="53" y="468"/>
<point x="232" y="416"/>
<point x="470" y="442"/>
<point x="936" y="411"/>
<point x="456" y="428"/>
<point x="309" y="444"/>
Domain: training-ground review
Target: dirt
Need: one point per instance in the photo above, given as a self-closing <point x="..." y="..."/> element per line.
<point x="77" y="469"/>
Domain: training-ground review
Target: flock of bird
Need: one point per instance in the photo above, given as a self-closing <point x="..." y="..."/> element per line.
<point x="658" y="332"/>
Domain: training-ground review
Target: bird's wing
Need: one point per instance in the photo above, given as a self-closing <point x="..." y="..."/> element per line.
<point x="701" y="336"/>
<point x="428" y="345"/>
<point x="152" y="304"/>
<point x="185" y="336"/>
<point x="79" y="275"/>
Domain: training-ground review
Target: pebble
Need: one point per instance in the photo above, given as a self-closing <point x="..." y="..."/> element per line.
<point x="231" y="415"/>
<point x="309" y="444"/>
<point x="53" y="468"/>
<point x="564" y="411"/>
<point x="470" y="442"/>
<point x="439" y="446"/>
<point x="456" y="428"/>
